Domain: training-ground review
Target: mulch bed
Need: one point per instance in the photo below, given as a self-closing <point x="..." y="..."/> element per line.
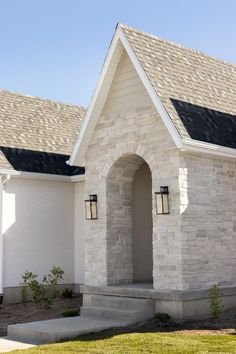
<point x="28" y="312"/>
<point x="226" y="325"/>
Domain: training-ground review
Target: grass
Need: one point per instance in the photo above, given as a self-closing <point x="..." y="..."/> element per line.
<point x="136" y="343"/>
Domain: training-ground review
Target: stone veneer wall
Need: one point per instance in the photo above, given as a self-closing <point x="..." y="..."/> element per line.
<point x="208" y="221"/>
<point x="139" y="132"/>
<point x="119" y="219"/>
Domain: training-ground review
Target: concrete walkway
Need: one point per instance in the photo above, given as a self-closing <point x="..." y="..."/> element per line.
<point x="7" y="344"/>
<point x="26" y="335"/>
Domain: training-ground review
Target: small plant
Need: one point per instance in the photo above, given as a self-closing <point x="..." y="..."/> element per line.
<point x="67" y="293"/>
<point x="70" y="313"/>
<point x="162" y="317"/>
<point x="44" y="293"/>
<point x="215" y="302"/>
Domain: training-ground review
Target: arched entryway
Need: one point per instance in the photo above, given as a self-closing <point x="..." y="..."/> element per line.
<point x="129" y="221"/>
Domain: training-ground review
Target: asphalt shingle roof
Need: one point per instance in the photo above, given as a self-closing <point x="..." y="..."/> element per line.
<point x="189" y="76"/>
<point x="40" y="161"/>
<point x="206" y="124"/>
<point x="37" y="125"/>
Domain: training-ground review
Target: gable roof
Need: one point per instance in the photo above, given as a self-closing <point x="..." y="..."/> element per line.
<point x="172" y="74"/>
<point x="185" y="75"/>
<point x="40" y="128"/>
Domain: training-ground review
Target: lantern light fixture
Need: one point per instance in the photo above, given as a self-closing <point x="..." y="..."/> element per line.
<point x="162" y="201"/>
<point x="91" y="211"/>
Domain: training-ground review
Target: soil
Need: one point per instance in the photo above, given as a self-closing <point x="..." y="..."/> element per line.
<point x="226" y="325"/>
<point x="19" y="313"/>
<point x="28" y="312"/>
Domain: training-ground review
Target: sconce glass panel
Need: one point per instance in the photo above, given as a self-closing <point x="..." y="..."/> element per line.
<point x="91" y="212"/>
<point x="162" y="201"/>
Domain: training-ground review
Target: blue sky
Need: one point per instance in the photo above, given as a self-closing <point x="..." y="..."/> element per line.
<point x="55" y="48"/>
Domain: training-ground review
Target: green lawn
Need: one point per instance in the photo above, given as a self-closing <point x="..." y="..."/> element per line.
<point x="142" y="343"/>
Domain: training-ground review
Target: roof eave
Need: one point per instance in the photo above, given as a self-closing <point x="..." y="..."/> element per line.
<point x="42" y="176"/>
<point x="79" y="150"/>
<point x="202" y="147"/>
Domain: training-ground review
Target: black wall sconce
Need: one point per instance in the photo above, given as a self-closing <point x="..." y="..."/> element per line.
<point x="91" y="211"/>
<point x="162" y="201"/>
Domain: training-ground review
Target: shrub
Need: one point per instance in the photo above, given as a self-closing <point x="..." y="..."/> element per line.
<point x="162" y="317"/>
<point x="70" y="313"/>
<point x="215" y="302"/>
<point x="67" y="293"/>
<point x="44" y="293"/>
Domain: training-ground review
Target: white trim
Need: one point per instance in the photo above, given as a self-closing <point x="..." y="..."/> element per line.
<point x="8" y="172"/>
<point x="2" y="246"/>
<point x="43" y="176"/>
<point x="85" y="125"/>
<point x="207" y="148"/>
<point x="78" y="178"/>
<point x="1" y="238"/>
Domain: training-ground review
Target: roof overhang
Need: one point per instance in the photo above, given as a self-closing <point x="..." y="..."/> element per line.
<point x="118" y="45"/>
<point x="42" y="176"/>
<point x="207" y="148"/>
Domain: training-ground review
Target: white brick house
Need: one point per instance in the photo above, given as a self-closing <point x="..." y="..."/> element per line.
<point x="161" y="115"/>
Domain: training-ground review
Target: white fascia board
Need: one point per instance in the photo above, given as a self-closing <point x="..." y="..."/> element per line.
<point x="8" y="172"/>
<point x="207" y="148"/>
<point x="43" y="176"/>
<point x="78" y="178"/>
<point x="80" y="146"/>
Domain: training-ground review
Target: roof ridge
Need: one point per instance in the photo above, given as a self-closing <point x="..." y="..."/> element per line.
<point x="150" y="35"/>
<point x="42" y="99"/>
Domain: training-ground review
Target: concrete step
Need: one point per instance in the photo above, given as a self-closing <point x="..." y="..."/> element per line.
<point x="132" y="316"/>
<point x="118" y="302"/>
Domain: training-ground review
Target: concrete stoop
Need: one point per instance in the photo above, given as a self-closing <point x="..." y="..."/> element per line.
<point x="132" y="310"/>
<point x="99" y="312"/>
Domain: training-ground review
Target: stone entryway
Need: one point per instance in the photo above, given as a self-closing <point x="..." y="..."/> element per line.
<point x="129" y="221"/>
<point x="142" y="224"/>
